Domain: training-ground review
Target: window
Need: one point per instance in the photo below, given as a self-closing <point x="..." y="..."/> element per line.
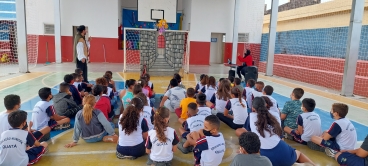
<point x="48" y="29"/>
<point x="243" y="37"/>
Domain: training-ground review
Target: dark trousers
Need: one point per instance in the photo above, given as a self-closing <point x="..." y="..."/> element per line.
<point x="83" y="67"/>
<point x="229" y="121"/>
<point x="240" y="71"/>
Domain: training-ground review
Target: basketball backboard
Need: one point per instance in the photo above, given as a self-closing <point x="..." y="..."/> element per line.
<point x="153" y="10"/>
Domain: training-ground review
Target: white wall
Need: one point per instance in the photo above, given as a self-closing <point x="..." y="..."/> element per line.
<point x="251" y="19"/>
<point x="187" y="11"/>
<point x="101" y="17"/>
<point x="39" y="12"/>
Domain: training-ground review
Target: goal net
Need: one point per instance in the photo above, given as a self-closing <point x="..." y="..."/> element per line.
<point x="145" y="47"/>
<point x="8" y="37"/>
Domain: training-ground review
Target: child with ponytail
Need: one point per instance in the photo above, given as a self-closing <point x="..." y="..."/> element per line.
<point x="239" y="108"/>
<point x="268" y="129"/>
<point x="133" y="130"/>
<point x="162" y="140"/>
<point x="210" y="88"/>
<point x="91" y="125"/>
<point x="148" y="111"/>
<point x="219" y="99"/>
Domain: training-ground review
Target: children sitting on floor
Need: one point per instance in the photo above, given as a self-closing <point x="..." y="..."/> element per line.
<point x="182" y="111"/>
<point x="148" y="111"/>
<point x="64" y="104"/>
<point x="249" y="151"/>
<point x="258" y="90"/>
<point x="341" y="136"/>
<point x="103" y="102"/>
<point x="193" y="123"/>
<point x="75" y="93"/>
<point x="309" y="123"/>
<point x="11" y="103"/>
<point x="103" y="81"/>
<point x="268" y="129"/>
<point x="162" y="141"/>
<point x="173" y="96"/>
<point x="202" y="107"/>
<point x="148" y="78"/>
<point x="237" y="83"/>
<point x="150" y="92"/>
<point x="44" y="114"/>
<point x="84" y="83"/>
<point x="219" y="100"/>
<point x="354" y="157"/>
<point x="231" y="79"/>
<point x="292" y="110"/>
<point x="23" y="148"/>
<point x="248" y="94"/>
<point x="91" y="125"/>
<point x="203" y="79"/>
<point x="239" y="110"/>
<point x="267" y="91"/>
<point x="133" y="130"/>
<point x="210" y="88"/>
<point x="127" y="95"/>
<point x="108" y="75"/>
<point x="78" y="81"/>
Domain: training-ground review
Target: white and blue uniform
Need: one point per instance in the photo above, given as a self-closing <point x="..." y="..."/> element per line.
<point x="175" y="95"/>
<point x="162" y="151"/>
<point x="41" y="114"/>
<point x="148" y="115"/>
<point x="4" y="124"/>
<point x="204" y="111"/>
<point x="344" y="132"/>
<point x="219" y="103"/>
<point x="209" y="91"/>
<point x="209" y="150"/>
<point x="194" y="123"/>
<point x="311" y="123"/>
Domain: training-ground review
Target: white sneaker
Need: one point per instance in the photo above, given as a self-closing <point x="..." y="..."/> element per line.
<point x="330" y="152"/>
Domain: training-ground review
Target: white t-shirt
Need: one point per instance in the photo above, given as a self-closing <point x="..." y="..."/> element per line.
<point x="344" y="132"/>
<point x="77" y="84"/>
<point x="240" y="112"/>
<point x="147" y="114"/>
<point x="162" y="151"/>
<point x="13" y="145"/>
<point x="4" y="124"/>
<point x="257" y="94"/>
<point x="175" y="95"/>
<point x="220" y="104"/>
<point x="41" y="114"/>
<point x="195" y="123"/>
<point x="209" y="150"/>
<point x="267" y="142"/>
<point x="136" y="136"/>
<point x="274" y="108"/>
<point x="204" y="111"/>
<point x="311" y="123"/>
<point x="209" y="91"/>
<point x="249" y="93"/>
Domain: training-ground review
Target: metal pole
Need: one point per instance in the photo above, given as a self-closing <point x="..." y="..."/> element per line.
<point x="22" y="36"/>
<point x="272" y="37"/>
<point x="352" y="51"/>
<point x="124" y="49"/>
<point x="235" y="32"/>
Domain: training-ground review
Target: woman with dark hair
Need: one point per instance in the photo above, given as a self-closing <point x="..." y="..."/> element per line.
<point x="268" y="129"/>
<point x="81" y="50"/>
<point x="246" y="60"/>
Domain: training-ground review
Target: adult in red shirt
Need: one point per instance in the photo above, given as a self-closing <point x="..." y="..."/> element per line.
<point x="246" y="60"/>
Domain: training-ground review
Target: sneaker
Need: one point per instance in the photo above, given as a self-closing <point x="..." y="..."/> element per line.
<point x="184" y="150"/>
<point x="288" y="136"/>
<point x="330" y="152"/>
<point x="120" y="156"/>
<point x="315" y="147"/>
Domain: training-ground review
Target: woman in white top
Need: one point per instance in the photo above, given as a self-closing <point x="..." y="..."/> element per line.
<point x="162" y="140"/>
<point x="238" y="106"/>
<point x="220" y="98"/>
<point x="148" y="111"/>
<point x="133" y="130"/>
<point x="268" y="129"/>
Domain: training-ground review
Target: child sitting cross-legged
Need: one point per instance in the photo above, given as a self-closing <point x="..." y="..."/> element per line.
<point x="309" y="123"/>
<point x="210" y="88"/>
<point x="44" y="113"/>
<point x="91" y="125"/>
<point x="354" y="157"/>
<point x="341" y="136"/>
<point x="148" y="111"/>
<point x="77" y="96"/>
<point x="193" y="123"/>
<point x="202" y="107"/>
<point x="248" y="94"/>
<point x="23" y="148"/>
<point x="182" y="111"/>
<point x="162" y="140"/>
<point x="64" y="103"/>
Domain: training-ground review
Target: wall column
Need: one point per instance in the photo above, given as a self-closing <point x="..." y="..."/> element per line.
<point x="272" y="37"/>
<point x="57" y="29"/>
<point x="22" y="36"/>
<point x="352" y="51"/>
<point x="235" y="33"/>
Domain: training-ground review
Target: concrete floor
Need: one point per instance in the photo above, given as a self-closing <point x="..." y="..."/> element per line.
<point x="27" y="85"/>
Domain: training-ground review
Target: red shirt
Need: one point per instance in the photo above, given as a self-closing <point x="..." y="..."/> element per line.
<point x="247" y="60"/>
<point x="104" y="105"/>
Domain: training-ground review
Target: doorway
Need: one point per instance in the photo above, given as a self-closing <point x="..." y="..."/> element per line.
<point x="216" y="52"/>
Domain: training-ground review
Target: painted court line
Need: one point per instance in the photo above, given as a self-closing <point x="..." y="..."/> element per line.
<point x="80" y="153"/>
<point x="9" y="86"/>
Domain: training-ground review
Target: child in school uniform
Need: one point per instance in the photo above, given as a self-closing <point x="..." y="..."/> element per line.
<point x="162" y="141"/>
<point x="182" y="111"/>
<point x="267" y="91"/>
<point x="202" y="107"/>
<point x="104" y="82"/>
<point x="219" y="100"/>
<point x="102" y="101"/>
<point x="84" y="83"/>
<point x="341" y="136"/>
<point x="133" y="130"/>
<point x="148" y="111"/>
<point x="24" y="148"/>
<point x="127" y="94"/>
<point x="231" y="79"/>
<point x="193" y="123"/>
<point x="202" y="82"/>
<point x="173" y="96"/>
<point x="77" y="96"/>
<point x="78" y="81"/>
<point x="238" y="106"/>
<point x="354" y="157"/>
<point x="210" y="88"/>
<point x="258" y="90"/>
<point x="248" y="94"/>
<point x="108" y="76"/>
<point x="269" y="132"/>
<point x="64" y="104"/>
<point x="309" y="123"/>
<point x="11" y="103"/>
<point x="44" y="114"/>
<point x="209" y="143"/>
<point x="148" y="77"/>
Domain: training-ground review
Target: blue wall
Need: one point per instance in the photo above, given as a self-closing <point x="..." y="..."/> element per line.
<point x="324" y="42"/>
<point x="7" y="7"/>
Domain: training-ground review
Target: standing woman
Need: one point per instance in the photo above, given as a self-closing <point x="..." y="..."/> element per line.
<point x="81" y="50"/>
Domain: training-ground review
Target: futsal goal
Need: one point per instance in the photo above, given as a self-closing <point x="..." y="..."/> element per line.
<point x="146" y="48"/>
